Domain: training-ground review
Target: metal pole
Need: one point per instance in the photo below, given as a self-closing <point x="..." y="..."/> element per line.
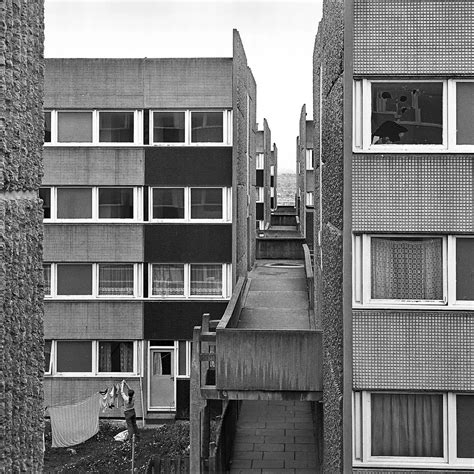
<point x="133" y="454"/>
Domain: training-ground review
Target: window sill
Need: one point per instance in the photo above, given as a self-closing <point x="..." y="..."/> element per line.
<point x="420" y="149"/>
<point x="420" y="464"/>
<point x="180" y="145"/>
<point x="417" y="306"/>
<point x="93" y="375"/>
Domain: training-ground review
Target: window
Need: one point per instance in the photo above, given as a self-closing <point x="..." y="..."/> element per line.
<point x="190" y="127"/>
<point x="409" y="116"/>
<point x="92" y="280"/>
<point x="260" y="162"/>
<point x="93" y="127"/>
<point x="184" y="358"/>
<point x="309" y="159"/>
<point x="309" y="198"/>
<point x="260" y="194"/>
<point x="464" y="269"/>
<point x="75" y="127"/>
<point x="429" y="430"/>
<point x="191" y="204"/>
<point x="184" y="280"/>
<point x="91" y="203"/>
<point x="91" y="358"/>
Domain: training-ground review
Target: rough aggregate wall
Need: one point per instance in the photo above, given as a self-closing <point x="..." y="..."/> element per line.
<point x="330" y="55"/>
<point x="252" y="85"/>
<point x="21" y="275"/>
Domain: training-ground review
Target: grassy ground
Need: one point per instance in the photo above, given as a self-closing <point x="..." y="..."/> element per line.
<point x="102" y="453"/>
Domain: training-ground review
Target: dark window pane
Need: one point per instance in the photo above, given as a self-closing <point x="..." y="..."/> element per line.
<point x="168" y="127"/>
<point x="407" y="425"/>
<point x="207" y="127"/>
<point x="465" y="269"/>
<point x="47" y="127"/>
<point x="74" y="279"/>
<point x="465" y="425"/>
<point x="75" y="127"/>
<point x="168" y="279"/>
<point x="45" y="195"/>
<point x="182" y="362"/>
<point x="115" y="203"/>
<point x="407" y="113"/>
<point x="115" y="356"/>
<point x="206" y="280"/>
<point x="47" y="278"/>
<point x="74" y="356"/>
<point x="165" y="363"/>
<point x="74" y="203"/>
<point x="115" y="279"/>
<point x="407" y="268"/>
<point x="47" y="356"/>
<point x="168" y="203"/>
<point x="206" y="203"/>
<point x="116" y="127"/>
<point x="465" y="113"/>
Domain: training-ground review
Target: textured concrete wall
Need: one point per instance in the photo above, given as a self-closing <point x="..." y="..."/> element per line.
<point x="138" y="83"/>
<point x="21" y="321"/>
<point x="329" y="54"/>
<point x="301" y="159"/>
<point x="267" y="150"/>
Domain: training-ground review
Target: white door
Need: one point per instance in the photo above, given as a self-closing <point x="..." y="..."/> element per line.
<point x="161" y="379"/>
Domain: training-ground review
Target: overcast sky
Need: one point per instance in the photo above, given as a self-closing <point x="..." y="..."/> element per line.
<point x="278" y="38"/>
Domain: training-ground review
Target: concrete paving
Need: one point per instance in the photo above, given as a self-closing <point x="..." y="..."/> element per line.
<point x="274" y="437"/>
<point x="277" y="297"/>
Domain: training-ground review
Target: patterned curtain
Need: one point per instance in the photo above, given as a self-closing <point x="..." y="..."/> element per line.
<point x="407" y="269"/>
<point x="105" y="357"/>
<point x="168" y="280"/>
<point x="407" y="425"/>
<point x="206" y="280"/>
<point x="115" y="280"/>
<point x="126" y="356"/>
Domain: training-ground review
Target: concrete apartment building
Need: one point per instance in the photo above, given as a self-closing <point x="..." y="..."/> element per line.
<point x="393" y="113"/>
<point x="305" y="177"/>
<point x="266" y="165"/>
<point x="149" y="218"/>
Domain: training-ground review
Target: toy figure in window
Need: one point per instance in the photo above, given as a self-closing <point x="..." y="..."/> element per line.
<point x="389" y="132"/>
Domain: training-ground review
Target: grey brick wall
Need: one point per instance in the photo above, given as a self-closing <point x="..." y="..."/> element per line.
<point x="21" y="320"/>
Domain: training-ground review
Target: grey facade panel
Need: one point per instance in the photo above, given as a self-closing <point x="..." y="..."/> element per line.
<point x="93" y="166"/>
<point x="413" y="350"/>
<point x="93" y="320"/>
<point x="93" y="243"/>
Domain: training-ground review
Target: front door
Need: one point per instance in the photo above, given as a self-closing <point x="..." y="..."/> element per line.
<point x="161" y="378"/>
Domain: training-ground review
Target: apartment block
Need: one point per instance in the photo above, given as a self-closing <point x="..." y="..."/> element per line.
<point x="393" y="113"/>
<point x="149" y="218"/>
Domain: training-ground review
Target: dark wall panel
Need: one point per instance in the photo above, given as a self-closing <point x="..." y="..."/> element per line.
<point x="310" y="228"/>
<point x="260" y="211"/>
<point x="188" y="166"/>
<point x="175" y="320"/>
<point x="182" y="399"/>
<point x="188" y="243"/>
<point x="259" y="178"/>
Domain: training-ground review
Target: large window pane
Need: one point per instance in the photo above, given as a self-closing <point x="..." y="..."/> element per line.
<point x="465" y="113"/>
<point x="182" y="359"/>
<point x="168" y="280"/>
<point x="115" y="356"/>
<point x="74" y="279"/>
<point x="465" y="269"/>
<point x="47" y="356"/>
<point x="168" y="203"/>
<point x="168" y="127"/>
<point x="206" y="203"/>
<point x="206" y="280"/>
<point x="116" y="127"/>
<point x="74" y="356"/>
<point x="47" y="127"/>
<point x="45" y="195"/>
<point x="47" y="278"/>
<point x="407" y="425"/>
<point x="465" y="426"/>
<point x="407" y="268"/>
<point x="75" y="127"/>
<point x="115" y="203"/>
<point x="407" y="113"/>
<point x="116" y="279"/>
<point x="207" y="127"/>
<point x="74" y="203"/>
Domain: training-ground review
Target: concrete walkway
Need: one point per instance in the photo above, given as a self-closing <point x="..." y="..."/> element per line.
<point x="274" y="437"/>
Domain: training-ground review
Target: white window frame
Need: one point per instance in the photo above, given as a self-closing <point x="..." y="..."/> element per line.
<point x="260" y="161"/>
<point x="309" y="159"/>
<point x="137" y="129"/>
<point x="137" y="282"/>
<point x="260" y="192"/>
<point x="226" y="206"/>
<point x="361" y="437"/>
<point x="137" y="205"/>
<point x="226" y="283"/>
<point x="226" y="123"/>
<point x="187" y="375"/>
<point x="95" y="360"/>
<point x="310" y="198"/>
<point x="50" y="369"/>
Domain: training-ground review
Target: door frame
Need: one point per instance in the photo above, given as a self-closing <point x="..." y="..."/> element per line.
<point x="174" y="372"/>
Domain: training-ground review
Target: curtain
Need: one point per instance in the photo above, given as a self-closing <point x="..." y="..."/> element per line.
<point x="115" y="356"/>
<point x="126" y="356"/>
<point x="157" y="369"/>
<point x="407" y="425"/>
<point x="116" y="280"/>
<point x="116" y="203"/>
<point x="105" y="357"/>
<point x="206" y="280"/>
<point x="168" y="279"/>
<point x="407" y="269"/>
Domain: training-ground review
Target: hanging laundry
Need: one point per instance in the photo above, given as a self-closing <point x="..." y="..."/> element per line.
<point x="74" y="424"/>
<point x="104" y="396"/>
<point x="112" y="397"/>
